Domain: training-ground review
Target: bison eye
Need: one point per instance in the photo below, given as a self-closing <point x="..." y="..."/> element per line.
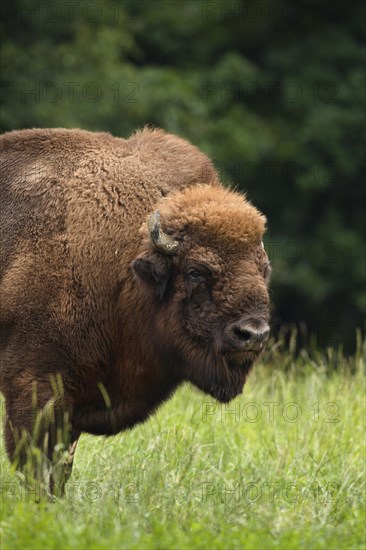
<point x="195" y="275"/>
<point x="198" y="273"/>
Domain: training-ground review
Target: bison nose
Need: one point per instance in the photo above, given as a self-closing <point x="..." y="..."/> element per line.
<point x="247" y="335"/>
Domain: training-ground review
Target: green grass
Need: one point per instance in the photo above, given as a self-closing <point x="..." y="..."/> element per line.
<point x="202" y="476"/>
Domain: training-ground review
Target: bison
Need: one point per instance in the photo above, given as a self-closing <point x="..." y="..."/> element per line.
<point x="127" y="269"/>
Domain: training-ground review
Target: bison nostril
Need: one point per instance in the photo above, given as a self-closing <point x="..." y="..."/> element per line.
<point x="242" y="334"/>
<point x="247" y="335"/>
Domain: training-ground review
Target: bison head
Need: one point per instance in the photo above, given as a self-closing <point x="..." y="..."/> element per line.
<point x="205" y="275"/>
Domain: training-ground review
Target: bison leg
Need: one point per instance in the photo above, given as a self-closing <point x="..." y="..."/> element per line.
<point x="61" y="465"/>
<point x="40" y="441"/>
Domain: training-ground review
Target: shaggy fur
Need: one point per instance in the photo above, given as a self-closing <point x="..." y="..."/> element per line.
<point x="84" y="294"/>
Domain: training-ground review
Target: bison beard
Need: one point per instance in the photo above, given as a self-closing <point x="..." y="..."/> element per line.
<point x="216" y="376"/>
<point x="221" y="376"/>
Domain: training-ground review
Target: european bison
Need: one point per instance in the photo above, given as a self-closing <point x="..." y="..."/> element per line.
<point x="127" y="269"/>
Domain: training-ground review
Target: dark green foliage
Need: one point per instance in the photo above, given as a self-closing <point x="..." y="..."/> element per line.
<point x="273" y="90"/>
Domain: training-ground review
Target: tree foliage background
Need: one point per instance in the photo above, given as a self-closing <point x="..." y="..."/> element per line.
<point x="273" y="91"/>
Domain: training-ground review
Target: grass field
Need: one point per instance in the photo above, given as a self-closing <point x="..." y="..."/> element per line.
<point x="281" y="467"/>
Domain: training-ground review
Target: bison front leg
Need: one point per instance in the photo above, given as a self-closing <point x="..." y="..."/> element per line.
<point x="57" y="439"/>
<point x="40" y="441"/>
<point x="61" y="460"/>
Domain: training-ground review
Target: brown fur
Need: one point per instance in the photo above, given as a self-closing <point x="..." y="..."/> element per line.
<point x="75" y="297"/>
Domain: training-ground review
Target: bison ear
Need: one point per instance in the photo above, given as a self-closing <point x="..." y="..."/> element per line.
<point x="154" y="269"/>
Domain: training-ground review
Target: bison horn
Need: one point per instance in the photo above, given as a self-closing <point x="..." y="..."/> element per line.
<point x="161" y="241"/>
